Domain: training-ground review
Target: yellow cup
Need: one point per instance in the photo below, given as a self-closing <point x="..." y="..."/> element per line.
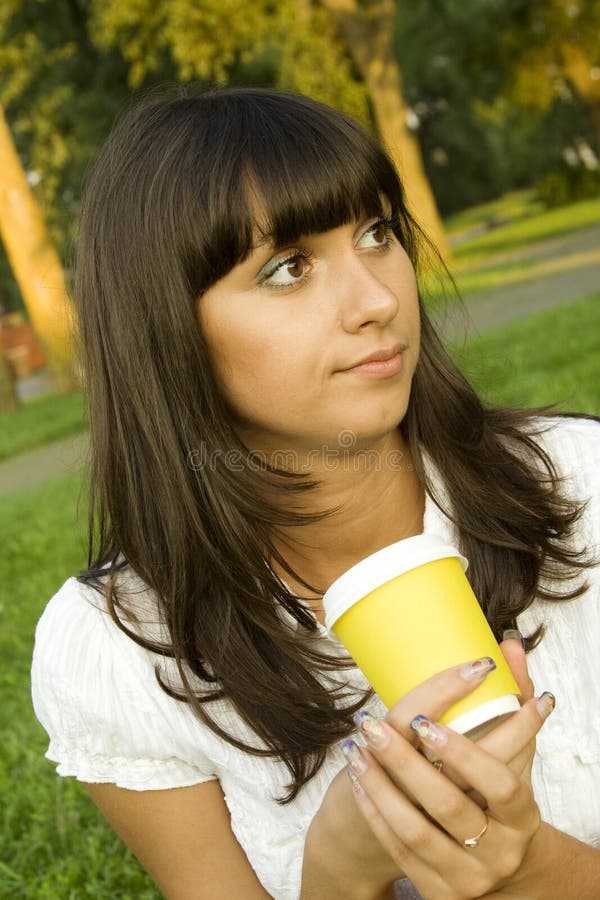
<point x="407" y="612"/>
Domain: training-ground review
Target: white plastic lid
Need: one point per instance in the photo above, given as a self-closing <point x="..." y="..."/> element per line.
<point x="379" y="568"/>
<point x="508" y="703"/>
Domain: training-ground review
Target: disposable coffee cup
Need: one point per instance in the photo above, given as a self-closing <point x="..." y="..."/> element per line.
<point x="407" y="612"/>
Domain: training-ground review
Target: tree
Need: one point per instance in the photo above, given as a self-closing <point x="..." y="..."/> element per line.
<point x="35" y="264"/>
<point x="368" y="35"/>
<point x="543" y="47"/>
<point x="8" y="395"/>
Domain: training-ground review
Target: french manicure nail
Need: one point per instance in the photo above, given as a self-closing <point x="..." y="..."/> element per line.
<point x="545" y="703"/>
<point x="374" y="732"/>
<point x="352" y="753"/>
<point x="356" y="785"/>
<point x="429" y="732"/>
<point x="477" y="669"/>
<point x="511" y="634"/>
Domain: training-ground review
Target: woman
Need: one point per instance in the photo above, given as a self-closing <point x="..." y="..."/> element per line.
<point x="269" y="404"/>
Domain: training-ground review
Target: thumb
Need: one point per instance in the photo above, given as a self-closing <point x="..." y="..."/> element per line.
<point x="514" y="654"/>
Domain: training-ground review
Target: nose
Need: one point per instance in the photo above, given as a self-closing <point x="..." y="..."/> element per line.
<point x="365" y="298"/>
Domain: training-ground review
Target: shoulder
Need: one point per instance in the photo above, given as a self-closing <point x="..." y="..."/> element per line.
<point x="77" y="641"/>
<point x="573" y="444"/>
<point x="95" y="693"/>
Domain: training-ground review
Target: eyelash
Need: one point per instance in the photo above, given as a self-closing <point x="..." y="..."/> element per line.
<point x="300" y="253"/>
<point x="304" y="253"/>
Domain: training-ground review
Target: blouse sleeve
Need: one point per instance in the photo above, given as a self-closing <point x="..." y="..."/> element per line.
<point x="95" y="693"/>
<point x="566" y="768"/>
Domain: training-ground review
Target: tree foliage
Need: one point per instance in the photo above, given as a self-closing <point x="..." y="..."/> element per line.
<point x="291" y="43"/>
<point x="68" y="67"/>
<point x="465" y="65"/>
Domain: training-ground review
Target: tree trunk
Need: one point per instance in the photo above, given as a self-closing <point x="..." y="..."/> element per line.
<point x="8" y="394"/>
<point x="368" y="37"/>
<point x="35" y="264"/>
<point x="578" y="70"/>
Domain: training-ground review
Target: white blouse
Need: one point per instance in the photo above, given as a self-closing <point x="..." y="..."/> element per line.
<point x="96" y="695"/>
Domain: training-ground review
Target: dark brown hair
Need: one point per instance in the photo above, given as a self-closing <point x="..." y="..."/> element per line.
<point x="167" y="211"/>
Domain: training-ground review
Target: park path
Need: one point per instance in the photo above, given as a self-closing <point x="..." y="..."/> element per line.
<point x="578" y="276"/>
<point x="479" y="313"/>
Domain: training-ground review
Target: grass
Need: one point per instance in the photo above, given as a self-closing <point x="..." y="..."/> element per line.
<point x="54" y="846"/>
<point x="529" y="229"/>
<point x="511" y="206"/>
<point x="515" y="252"/>
<point x="479" y="278"/>
<point x="551" y="357"/>
<point x="41" y="421"/>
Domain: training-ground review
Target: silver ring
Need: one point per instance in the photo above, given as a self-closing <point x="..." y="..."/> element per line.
<point x="472" y="842"/>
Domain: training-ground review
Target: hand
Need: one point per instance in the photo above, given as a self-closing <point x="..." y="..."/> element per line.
<point x="422" y="818"/>
<point x="341" y="847"/>
<point x="497" y="742"/>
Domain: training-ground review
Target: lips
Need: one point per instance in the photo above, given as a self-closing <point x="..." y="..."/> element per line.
<point x="381" y="355"/>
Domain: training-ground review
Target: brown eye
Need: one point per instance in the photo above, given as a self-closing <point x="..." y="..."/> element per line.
<point x="296" y="266"/>
<point x="378" y="236"/>
<point x="379" y="233"/>
<point x="289" y="272"/>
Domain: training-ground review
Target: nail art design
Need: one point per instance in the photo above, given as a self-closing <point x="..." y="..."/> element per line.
<point x="545" y="704"/>
<point x="430" y="732"/>
<point x="356" y="785"/>
<point x="352" y="753"/>
<point x="514" y="635"/>
<point x="372" y="729"/>
<point x="477" y="669"/>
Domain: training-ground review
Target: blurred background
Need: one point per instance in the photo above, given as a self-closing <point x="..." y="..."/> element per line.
<point x="491" y="111"/>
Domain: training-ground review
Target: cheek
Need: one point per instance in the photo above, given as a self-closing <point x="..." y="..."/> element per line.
<point x="252" y="359"/>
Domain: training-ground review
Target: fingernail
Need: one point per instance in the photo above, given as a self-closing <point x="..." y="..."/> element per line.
<point x="373" y="730"/>
<point x="545" y="703"/>
<point x="511" y="634"/>
<point x="477" y="669"/>
<point x="352" y="753"/>
<point x="429" y="732"/>
<point x="356" y="785"/>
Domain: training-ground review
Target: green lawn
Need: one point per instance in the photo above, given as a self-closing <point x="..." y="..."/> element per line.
<point x="510" y="207"/>
<point x="54" y="844"/>
<point x="513" y="252"/>
<point x="41" y="421"/>
<point x="529" y="229"/>
<point x="551" y="357"/>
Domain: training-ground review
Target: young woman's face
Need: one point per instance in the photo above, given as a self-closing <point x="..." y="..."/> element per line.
<point x="288" y="328"/>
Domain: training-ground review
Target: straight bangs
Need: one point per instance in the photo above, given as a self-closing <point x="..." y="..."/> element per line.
<point x="288" y="167"/>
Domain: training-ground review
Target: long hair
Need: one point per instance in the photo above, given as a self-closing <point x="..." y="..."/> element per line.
<point x="169" y="209"/>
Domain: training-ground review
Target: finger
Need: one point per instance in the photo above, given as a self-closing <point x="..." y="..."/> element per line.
<point x="508" y="796"/>
<point x="414" y="840"/>
<point x="513" y="741"/>
<point x="434" y="793"/>
<point x="407" y="862"/>
<point x="509" y="739"/>
<point x="438" y="693"/>
<point x="513" y="652"/>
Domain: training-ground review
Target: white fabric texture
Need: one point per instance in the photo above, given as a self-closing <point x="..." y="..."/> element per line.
<point x="95" y="693"/>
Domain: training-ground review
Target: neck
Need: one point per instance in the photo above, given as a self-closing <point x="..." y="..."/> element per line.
<point x="377" y="500"/>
